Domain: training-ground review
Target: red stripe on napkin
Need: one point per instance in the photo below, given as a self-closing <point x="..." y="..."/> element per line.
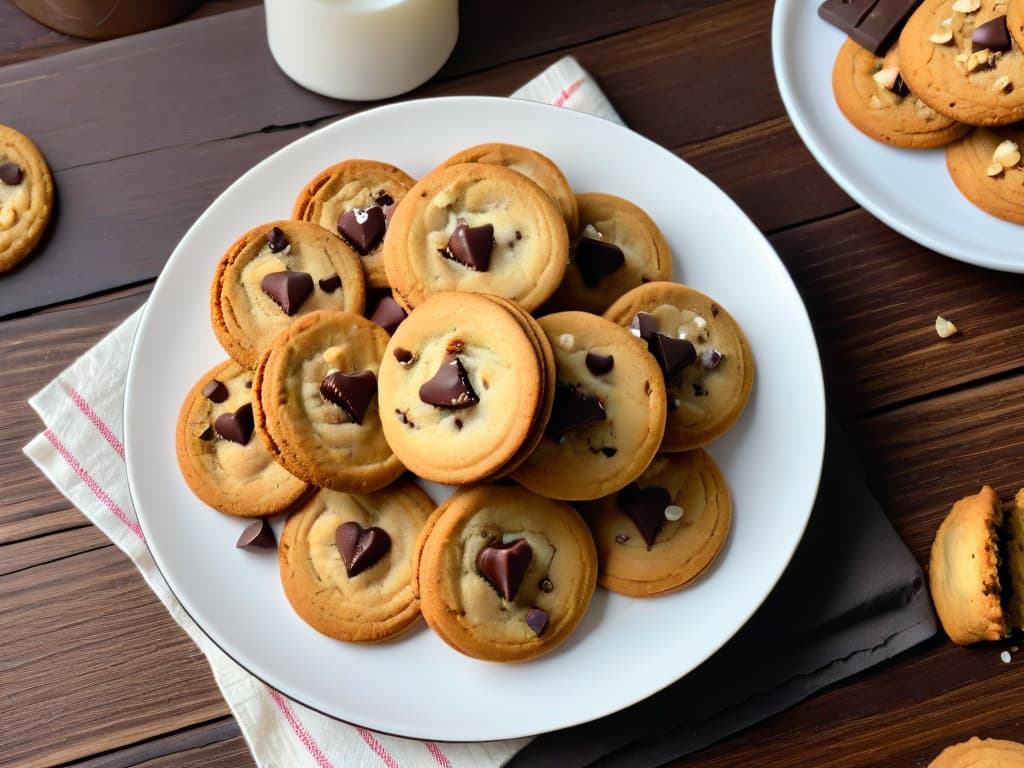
<point x="101" y="426"/>
<point x="307" y="741"/>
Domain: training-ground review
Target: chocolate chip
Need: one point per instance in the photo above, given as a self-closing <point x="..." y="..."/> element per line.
<point x="351" y="391"/>
<point x="519" y="235"/>
<point x="537" y="620"/>
<point x="599" y="365"/>
<point x="362" y="228"/>
<point x="471" y="246"/>
<point x="646" y="508"/>
<point x="698" y="389"/>
<point x="673" y="355"/>
<point x="993" y="35"/>
<point x="215" y="391"/>
<point x="329" y="284"/>
<point x="288" y="289"/>
<point x="573" y="409"/>
<point x="277" y="240"/>
<point x="360" y="547"/>
<point x="596" y="259"/>
<point x="403" y="416"/>
<point x="609" y="452"/>
<point x="236" y="427"/>
<point x="207" y="435"/>
<point x="257" y="535"/>
<point x="10" y="174"/>
<point x="900" y="87"/>
<point x="711" y="357"/>
<point x="403" y="356"/>
<point x="504" y="565"/>
<point x="874" y="24"/>
<point x="645" y="324"/>
<point x="388" y="314"/>
<point x="450" y="386"/>
<point x="458" y="423"/>
<point x="546" y="585"/>
<point x="383" y="199"/>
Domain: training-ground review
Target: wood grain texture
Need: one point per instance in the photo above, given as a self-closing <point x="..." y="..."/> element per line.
<point x="217" y="743"/>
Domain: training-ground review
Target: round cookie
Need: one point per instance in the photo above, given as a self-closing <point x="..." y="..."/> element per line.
<point x="26" y="196"/>
<point x="975" y="167"/>
<point x="658" y="534"/>
<point x="608" y="415"/>
<point x="619" y="248"/>
<point x="461" y="385"/>
<point x="976" y="83"/>
<point x="533" y="165"/>
<point x="274" y="274"/>
<point x="981" y="753"/>
<point x="223" y="462"/>
<point x="504" y="574"/>
<point x="480" y="228"/>
<point x="346" y="561"/>
<point x="317" y="402"/>
<point x="353" y="199"/>
<point x="872" y="95"/>
<point x="1015" y="21"/>
<point x="709" y="379"/>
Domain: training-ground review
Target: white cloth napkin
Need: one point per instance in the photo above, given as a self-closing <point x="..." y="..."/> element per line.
<point x="82" y="453"/>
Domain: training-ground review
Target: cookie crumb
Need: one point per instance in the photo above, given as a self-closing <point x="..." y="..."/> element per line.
<point x="944" y="327"/>
<point x="1005" y="656"/>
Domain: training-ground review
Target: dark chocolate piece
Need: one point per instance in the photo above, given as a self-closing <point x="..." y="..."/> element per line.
<point x="362" y="228"/>
<point x="288" y="289"/>
<point x="402" y="355"/>
<point x="993" y="35"/>
<point x="351" y="391"/>
<point x="900" y="87"/>
<point x="450" y="386"/>
<point x="383" y="199"/>
<point x="388" y="314"/>
<point x="389" y="211"/>
<point x="599" y="365"/>
<point x="277" y="240"/>
<point x="215" y="391"/>
<point x="471" y="246"/>
<point x="207" y="435"/>
<point x="257" y="535"/>
<point x="330" y="284"/>
<point x="596" y="259"/>
<point x="673" y="355"/>
<point x="646" y="324"/>
<point x="546" y="585"/>
<point x="236" y="427"/>
<point x="10" y="174"/>
<point x="646" y="508"/>
<point x="504" y="565"/>
<point x="537" y="620"/>
<point x="873" y="24"/>
<point x="711" y="357"/>
<point x="573" y="409"/>
<point x="360" y="547"/>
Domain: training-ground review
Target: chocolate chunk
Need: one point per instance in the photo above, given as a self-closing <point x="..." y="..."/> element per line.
<point x="646" y="508"/>
<point x="596" y="259"/>
<point x="362" y="228"/>
<point x="645" y="324"/>
<point x="288" y="289"/>
<point x="351" y="391"/>
<point x="609" y="452"/>
<point x="537" y="620"/>
<point x="546" y="585"/>
<point x="236" y="427"/>
<point x="504" y="565"/>
<point x="257" y="535"/>
<point x="599" y="365"/>
<point x="573" y="409"/>
<point x="383" y="199"/>
<point x="673" y="355"/>
<point x="471" y="246"/>
<point x="900" y="87"/>
<point x="873" y="24"/>
<point x="402" y="355"/>
<point x="449" y="387"/>
<point x="215" y="391"/>
<point x="277" y="240"/>
<point x="388" y="314"/>
<point x="993" y="35"/>
<point x="329" y="284"/>
<point x="360" y="547"/>
<point x="207" y="435"/>
<point x="10" y="174"/>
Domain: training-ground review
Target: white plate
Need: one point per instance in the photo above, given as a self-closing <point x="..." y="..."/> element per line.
<point x="625" y="649"/>
<point x="909" y="190"/>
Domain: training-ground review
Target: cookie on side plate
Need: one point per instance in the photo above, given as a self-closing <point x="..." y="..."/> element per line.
<point x="223" y="462"/>
<point x="346" y="561"/>
<point x="986" y="167"/>
<point x="26" y="196"/>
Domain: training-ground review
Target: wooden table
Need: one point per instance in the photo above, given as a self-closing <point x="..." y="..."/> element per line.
<point x="91" y="667"/>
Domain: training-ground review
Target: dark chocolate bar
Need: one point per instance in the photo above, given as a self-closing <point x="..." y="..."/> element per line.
<point x="873" y="24"/>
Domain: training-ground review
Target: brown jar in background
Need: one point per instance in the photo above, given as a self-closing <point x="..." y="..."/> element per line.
<point x="104" y="19"/>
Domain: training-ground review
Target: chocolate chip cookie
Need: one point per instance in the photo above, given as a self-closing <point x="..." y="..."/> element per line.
<point x="986" y="167"/>
<point x="26" y="196"/>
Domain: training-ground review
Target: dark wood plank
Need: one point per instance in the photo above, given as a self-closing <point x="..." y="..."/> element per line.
<point x="29" y="553"/>
<point x="219" y="743"/>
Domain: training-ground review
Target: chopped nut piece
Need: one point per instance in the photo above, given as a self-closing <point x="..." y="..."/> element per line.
<point x="994" y="170"/>
<point x="1007" y="154"/>
<point x="334" y="357"/>
<point x="887" y="77"/>
<point x="942" y="37"/>
<point x="1002" y="84"/>
<point x="978" y="59"/>
<point x="944" y="327"/>
<point x="966" y="6"/>
<point x="875" y="102"/>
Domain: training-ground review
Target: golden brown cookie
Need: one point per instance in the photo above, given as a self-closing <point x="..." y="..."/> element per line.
<point x="476" y="227"/>
<point x="871" y="93"/>
<point x="224" y="463"/>
<point x="274" y="274"/>
<point x="658" y="534"/>
<point x="986" y="167"/>
<point x="317" y="402"/>
<point x="707" y="363"/>
<point x="26" y="196"/>
<point x="533" y="165"/>
<point x="346" y="561"/>
<point x="354" y="199"/>
<point x="504" y="574"/>
<point x="1015" y="21"/>
<point x="619" y="247"/>
<point x="981" y="753"/>
<point x="958" y="58"/>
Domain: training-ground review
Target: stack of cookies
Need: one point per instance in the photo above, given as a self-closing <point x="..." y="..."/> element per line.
<point x="486" y="329"/>
<point x="921" y="74"/>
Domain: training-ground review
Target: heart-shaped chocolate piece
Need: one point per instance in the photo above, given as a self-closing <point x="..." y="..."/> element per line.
<point x="673" y="355"/>
<point x="362" y="228"/>
<point x="573" y="409"/>
<point x="596" y="259"/>
<point x="646" y="508"/>
<point x="471" y="246"/>
<point x="360" y="547"/>
<point x="288" y="289"/>
<point x="449" y="387"/>
<point x="504" y="565"/>
<point x="351" y="391"/>
<point x="236" y="427"/>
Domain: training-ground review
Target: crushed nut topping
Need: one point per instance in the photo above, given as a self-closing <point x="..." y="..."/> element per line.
<point x="966" y="6"/>
<point x="944" y="327"/>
